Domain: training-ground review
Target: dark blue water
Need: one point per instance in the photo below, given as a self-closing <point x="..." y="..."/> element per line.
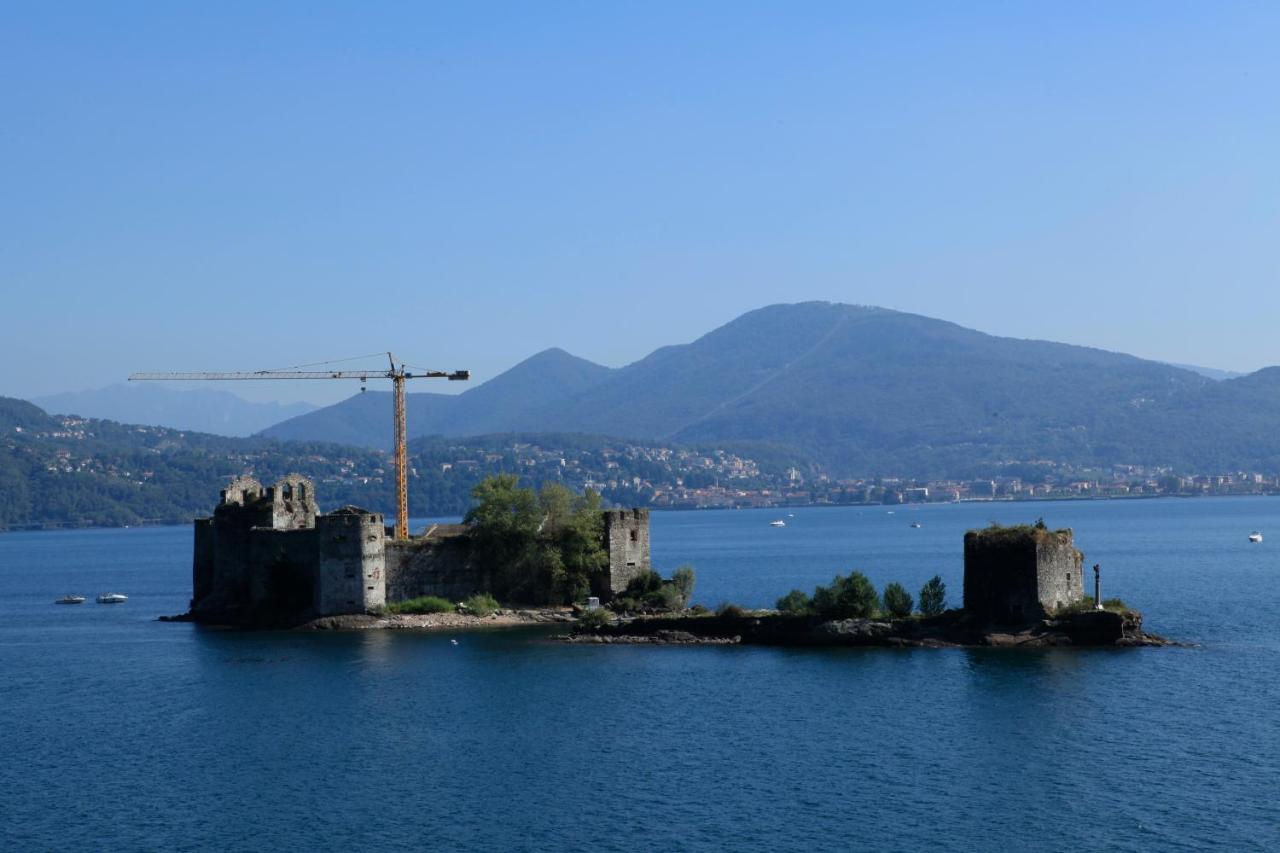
<point x="119" y="732"/>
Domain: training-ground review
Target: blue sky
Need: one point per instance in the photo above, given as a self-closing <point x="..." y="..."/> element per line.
<point x="241" y="185"/>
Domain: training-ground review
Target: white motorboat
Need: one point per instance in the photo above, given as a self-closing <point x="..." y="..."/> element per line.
<point x="778" y="523"/>
<point x="112" y="598"/>
<point x="916" y="524"/>
<point x="70" y="599"/>
<point x="1255" y="536"/>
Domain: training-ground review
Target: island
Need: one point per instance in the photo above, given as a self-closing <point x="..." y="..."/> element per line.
<point x="268" y="558"/>
<point x="1023" y="587"/>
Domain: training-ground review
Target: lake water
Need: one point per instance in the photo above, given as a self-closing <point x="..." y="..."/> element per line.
<point x="120" y="732"/>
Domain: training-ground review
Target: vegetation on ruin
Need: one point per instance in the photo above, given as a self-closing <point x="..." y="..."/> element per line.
<point x="1085" y="604"/>
<point x="648" y="591"/>
<point x="999" y="535"/>
<point x="480" y="604"/>
<point x="539" y="547"/>
<point x="422" y="604"/>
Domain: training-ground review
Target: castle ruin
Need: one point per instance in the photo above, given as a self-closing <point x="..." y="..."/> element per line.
<point x="268" y="552"/>
<point x="1014" y="575"/>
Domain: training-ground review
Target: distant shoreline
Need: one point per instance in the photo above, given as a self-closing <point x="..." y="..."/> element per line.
<point x="67" y="526"/>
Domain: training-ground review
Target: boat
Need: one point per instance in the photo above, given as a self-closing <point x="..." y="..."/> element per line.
<point x="916" y="524"/>
<point x="112" y="598"/>
<point x="70" y="599"/>
<point x="777" y="523"/>
<point x="1255" y="536"/>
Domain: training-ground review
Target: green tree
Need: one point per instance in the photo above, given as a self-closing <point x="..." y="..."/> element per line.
<point x="933" y="596"/>
<point x="682" y="579"/>
<point x="505" y="521"/>
<point x="796" y="602"/>
<point x="897" y="600"/>
<point x="847" y="597"/>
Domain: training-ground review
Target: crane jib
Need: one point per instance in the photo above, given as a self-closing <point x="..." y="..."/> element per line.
<point x="397" y="378"/>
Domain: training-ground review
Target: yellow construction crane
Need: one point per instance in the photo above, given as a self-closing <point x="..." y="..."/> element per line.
<point x="397" y="375"/>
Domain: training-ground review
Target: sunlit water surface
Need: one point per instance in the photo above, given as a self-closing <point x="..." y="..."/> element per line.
<point x="121" y="732"/>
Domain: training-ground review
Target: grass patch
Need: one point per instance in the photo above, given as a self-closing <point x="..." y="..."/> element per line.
<point x="422" y="604"/>
<point x="731" y="611"/>
<point x="593" y="620"/>
<point x="480" y="604"/>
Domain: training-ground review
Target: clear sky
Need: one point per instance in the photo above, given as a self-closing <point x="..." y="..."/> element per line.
<point x="222" y="186"/>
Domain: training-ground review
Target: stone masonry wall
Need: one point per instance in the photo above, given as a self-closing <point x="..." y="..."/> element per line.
<point x="443" y="568"/>
<point x="627" y="538"/>
<point x="1012" y="576"/>
<point x="351" y="576"/>
<point x="1059" y="572"/>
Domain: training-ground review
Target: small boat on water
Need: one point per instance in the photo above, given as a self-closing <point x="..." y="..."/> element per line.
<point x="70" y="599"/>
<point x="112" y="598"/>
<point x="1255" y="536"/>
<point x="916" y="524"/>
<point x="777" y="523"/>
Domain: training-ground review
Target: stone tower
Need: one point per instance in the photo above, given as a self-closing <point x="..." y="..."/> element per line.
<point x="626" y="535"/>
<point x="351" y="570"/>
<point x="1014" y="575"/>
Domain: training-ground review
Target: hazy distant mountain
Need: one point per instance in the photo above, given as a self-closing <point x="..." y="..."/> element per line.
<point x="865" y="391"/>
<point x="1211" y="372"/>
<point x="212" y="411"/>
<point x="498" y="405"/>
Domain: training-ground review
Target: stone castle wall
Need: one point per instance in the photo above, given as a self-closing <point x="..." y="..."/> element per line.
<point x="268" y="551"/>
<point x="351" y="573"/>
<point x="442" y="568"/>
<point x="1015" y="575"/>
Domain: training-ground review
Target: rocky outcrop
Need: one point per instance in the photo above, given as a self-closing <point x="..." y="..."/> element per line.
<point x="1094" y="628"/>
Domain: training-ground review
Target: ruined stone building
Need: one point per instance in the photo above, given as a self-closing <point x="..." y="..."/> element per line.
<point x="270" y="550"/>
<point x="1014" y="575"/>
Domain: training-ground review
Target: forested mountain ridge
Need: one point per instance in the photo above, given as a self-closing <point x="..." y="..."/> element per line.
<point x="867" y="391"/>
<point x="69" y="471"/>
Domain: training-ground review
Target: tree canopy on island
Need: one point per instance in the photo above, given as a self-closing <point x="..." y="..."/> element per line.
<point x="539" y="547"/>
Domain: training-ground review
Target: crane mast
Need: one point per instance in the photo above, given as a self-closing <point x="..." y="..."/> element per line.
<point x="397" y="375"/>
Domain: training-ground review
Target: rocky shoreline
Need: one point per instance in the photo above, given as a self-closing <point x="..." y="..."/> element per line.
<point x="953" y="629"/>
<point x="399" y="621"/>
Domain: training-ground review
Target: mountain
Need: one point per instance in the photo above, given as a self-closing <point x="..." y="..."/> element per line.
<point x="867" y="391"/>
<point x="1211" y="372"/>
<point x="214" y="412"/>
<point x="496" y="406"/>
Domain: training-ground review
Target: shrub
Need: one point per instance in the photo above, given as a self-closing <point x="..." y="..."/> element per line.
<point x="933" y="596"/>
<point x="699" y="610"/>
<point x="593" y="620"/>
<point x="1114" y="604"/>
<point x="421" y="604"/>
<point x="642" y="584"/>
<point x="728" y="610"/>
<point x="648" y="591"/>
<point x="796" y="602"/>
<point x="480" y="604"/>
<point x="897" y="600"/>
<point x="682" y="579"/>
<point x="847" y="597"/>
